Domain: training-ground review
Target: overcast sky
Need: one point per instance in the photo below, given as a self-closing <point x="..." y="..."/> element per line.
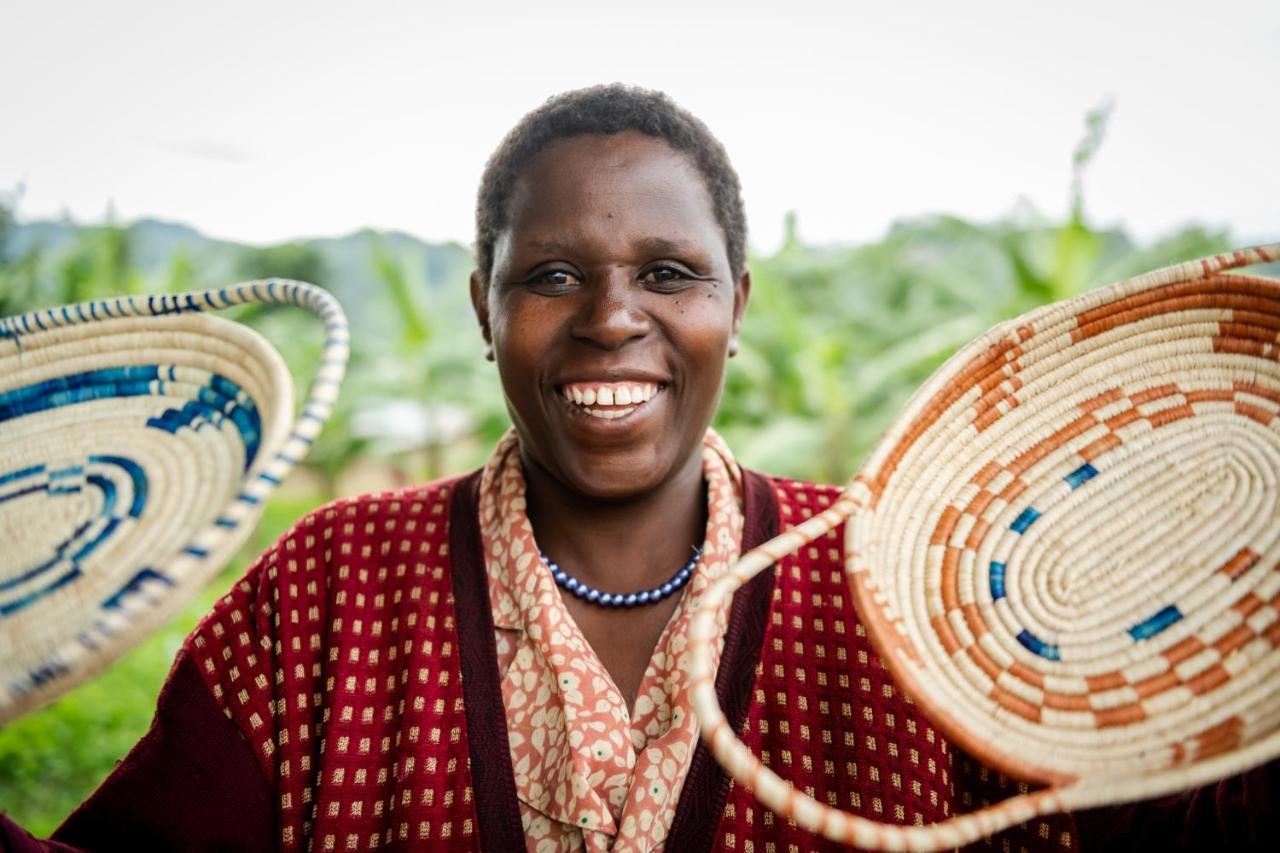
<point x="272" y="120"/>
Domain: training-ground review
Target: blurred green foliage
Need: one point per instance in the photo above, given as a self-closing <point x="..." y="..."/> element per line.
<point x="297" y="261"/>
<point x="835" y="341"/>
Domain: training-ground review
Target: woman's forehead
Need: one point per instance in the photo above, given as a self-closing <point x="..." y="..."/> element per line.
<point x="614" y="149"/>
<point x="627" y="184"/>
<point x="601" y="166"/>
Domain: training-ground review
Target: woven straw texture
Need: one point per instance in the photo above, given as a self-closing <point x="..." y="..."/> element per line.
<point x="139" y="439"/>
<point x="1067" y="550"/>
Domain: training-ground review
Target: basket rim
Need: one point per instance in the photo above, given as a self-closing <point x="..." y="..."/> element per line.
<point x="912" y="669"/>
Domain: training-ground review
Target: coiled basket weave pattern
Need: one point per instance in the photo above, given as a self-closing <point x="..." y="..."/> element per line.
<point x="139" y="439"/>
<point x="1067" y="550"/>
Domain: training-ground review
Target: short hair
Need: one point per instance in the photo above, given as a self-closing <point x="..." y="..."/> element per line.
<point x="607" y="110"/>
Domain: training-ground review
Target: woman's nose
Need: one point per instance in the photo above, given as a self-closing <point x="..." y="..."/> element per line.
<point x="612" y="313"/>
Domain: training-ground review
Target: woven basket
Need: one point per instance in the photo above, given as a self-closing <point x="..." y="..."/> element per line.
<point x="1067" y="551"/>
<point x="139" y="439"/>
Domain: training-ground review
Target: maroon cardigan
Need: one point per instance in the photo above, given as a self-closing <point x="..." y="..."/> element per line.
<point x="322" y="700"/>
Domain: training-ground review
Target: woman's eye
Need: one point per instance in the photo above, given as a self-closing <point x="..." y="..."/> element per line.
<point x="664" y="277"/>
<point x="554" y="280"/>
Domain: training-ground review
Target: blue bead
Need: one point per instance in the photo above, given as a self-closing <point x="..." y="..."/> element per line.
<point x="630" y="600"/>
<point x="643" y="598"/>
<point x="571" y="584"/>
<point x="667" y="589"/>
<point x="607" y="599"/>
<point x="593" y="595"/>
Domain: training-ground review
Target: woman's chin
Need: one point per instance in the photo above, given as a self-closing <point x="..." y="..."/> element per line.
<point x="616" y="477"/>
<point x="612" y="459"/>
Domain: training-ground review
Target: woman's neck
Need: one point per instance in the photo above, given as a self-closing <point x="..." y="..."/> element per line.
<point x="619" y="546"/>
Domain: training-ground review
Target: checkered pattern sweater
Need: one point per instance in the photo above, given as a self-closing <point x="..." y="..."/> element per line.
<point x="345" y="696"/>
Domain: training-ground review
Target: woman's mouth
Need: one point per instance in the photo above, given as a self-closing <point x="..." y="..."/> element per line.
<point x="609" y="400"/>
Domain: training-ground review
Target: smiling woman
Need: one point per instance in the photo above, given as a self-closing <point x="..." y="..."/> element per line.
<point x="500" y="661"/>
<point x="612" y="276"/>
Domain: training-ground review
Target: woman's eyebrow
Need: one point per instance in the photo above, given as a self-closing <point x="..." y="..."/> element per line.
<point x="552" y="247"/>
<point x="665" y="246"/>
<point x="646" y="245"/>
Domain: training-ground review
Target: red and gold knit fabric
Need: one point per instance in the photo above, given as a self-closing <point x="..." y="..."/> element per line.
<point x="336" y="657"/>
<point x="589" y="775"/>
<point x="825" y="715"/>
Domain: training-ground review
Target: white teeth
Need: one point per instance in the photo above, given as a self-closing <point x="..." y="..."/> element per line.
<point x="609" y="414"/>
<point x="610" y="395"/>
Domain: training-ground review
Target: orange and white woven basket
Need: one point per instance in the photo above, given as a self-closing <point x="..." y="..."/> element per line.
<point x="1067" y="551"/>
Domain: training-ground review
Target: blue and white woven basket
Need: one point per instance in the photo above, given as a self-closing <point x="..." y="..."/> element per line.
<point x="139" y="440"/>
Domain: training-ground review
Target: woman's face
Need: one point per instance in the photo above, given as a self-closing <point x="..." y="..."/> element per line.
<point x="611" y="309"/>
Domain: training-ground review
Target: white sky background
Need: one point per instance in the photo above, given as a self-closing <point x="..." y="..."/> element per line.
<point x="266" y="121"/>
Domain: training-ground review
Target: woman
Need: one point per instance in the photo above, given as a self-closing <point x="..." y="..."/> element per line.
<point x="499" y="660"/>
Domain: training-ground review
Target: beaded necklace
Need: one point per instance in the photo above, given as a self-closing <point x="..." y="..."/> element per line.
<point x="592" y="595"/>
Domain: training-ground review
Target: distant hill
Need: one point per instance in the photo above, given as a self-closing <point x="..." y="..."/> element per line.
<point x="350" y="270"/>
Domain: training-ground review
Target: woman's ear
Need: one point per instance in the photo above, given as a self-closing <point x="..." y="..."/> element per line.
<point x="741" y="293"/>
<point x="480" y="304"/>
